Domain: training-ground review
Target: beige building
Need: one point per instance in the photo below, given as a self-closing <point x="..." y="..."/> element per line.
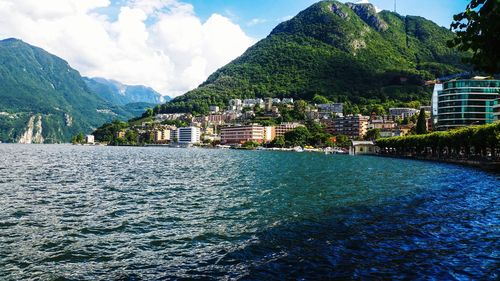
<point x="353" y="126"/>
<point x="269" y="133"/>
<point x="242" y="134"/>
<point x="161" y="136"/>
<point x="286" y="127"/>
<point x="382" y="124"/>
<point x="362" y="147"/>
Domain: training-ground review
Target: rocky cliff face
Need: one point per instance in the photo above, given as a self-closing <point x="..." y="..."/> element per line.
<point x="368" y="14"/>
<point x="33" y="132"/>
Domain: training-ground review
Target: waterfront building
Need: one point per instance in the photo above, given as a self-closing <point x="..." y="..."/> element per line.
<point x="188" y="135"/>
<point x="211" y="137"/>
<point x="89" y="139"/>
<point x="242" y="134"/>
<point x="162" y="135"/>
<point x="362" y="147"/>
<point x="496" y="109"/>
<point x="286" y="127"/>
<point x="269" y="133"/>
<point x="174" y="136"/>
<point x="434" y="103"/>
<point x="467" y="102"/>
<point x="403" y="112"/>
<point x="353" y="126"/>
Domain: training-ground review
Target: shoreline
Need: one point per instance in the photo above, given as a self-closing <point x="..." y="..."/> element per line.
<point x="490" y="166"/>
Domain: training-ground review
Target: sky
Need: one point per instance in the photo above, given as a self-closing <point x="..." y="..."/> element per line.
<point x="169" y="45"/>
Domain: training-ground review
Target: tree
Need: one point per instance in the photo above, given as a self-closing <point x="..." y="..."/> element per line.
<point x="297" y="137"/>
<point x="299" y="110"/>
<point x="372" y="134"/>
<point x="278" y="142"/>
<point x="421" y="123"/>
<point x="478" y="29"/>
<point x="250" y="145"/>
<point x="78" y="139"/>
<point x="343" y="140"/>
<point x="319" y="99"/>
<point x="148" y="113"/>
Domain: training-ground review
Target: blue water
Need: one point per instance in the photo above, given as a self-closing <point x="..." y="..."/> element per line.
<point x="117" y="213"/>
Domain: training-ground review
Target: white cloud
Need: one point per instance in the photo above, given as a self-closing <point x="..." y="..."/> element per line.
<point x="377" y="9"/>
<point x="157" y="43"/>
<point x="256" y="21"/>
<point x="285" y="18"/>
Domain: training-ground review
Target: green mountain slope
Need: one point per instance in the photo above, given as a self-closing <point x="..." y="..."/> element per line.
<point x="346" y="52"/>
<point x="121" y="94"/>
<point x="42" y="99"/>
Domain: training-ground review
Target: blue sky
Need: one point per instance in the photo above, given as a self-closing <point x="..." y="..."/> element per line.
<point x="258" y="17"/>
<point x="169" y="45"/>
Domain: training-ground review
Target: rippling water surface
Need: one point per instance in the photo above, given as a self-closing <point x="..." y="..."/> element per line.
<point x="111" y="213"/>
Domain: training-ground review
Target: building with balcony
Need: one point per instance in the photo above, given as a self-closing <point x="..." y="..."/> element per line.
<point x="496" y="109"/>
<point x="353" y="126"/>
<point x="188" y="135"/>
<point x="242" y="134"/>
<point x="467" y="102"/>
<point x="336" y="108"/>
<point x="434" y="104"/>
<point x="162" y="135"/>
<point x="283" y="128"/>
<point x="269" y="133"/>
<point x="403" y="112"/>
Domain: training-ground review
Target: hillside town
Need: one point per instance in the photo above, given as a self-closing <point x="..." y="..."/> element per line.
<point x="262" y="122"/>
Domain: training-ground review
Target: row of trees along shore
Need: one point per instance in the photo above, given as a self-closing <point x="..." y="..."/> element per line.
<point x="470" y="143"/>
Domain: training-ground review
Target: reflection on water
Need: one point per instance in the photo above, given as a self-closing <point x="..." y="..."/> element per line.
<point x="75" y="212"/>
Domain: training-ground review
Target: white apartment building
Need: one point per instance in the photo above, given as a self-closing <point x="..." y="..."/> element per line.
<point x="188" y="135"/>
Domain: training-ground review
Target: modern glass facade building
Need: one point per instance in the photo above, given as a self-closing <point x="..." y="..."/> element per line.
<point x="467" y="102"/>
<point x="496" y="109"/>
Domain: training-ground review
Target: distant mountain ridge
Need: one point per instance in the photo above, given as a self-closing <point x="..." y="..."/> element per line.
<point x="346" y="52"/>
<point x="44" y="100"/>
<point x="121" y="94"/>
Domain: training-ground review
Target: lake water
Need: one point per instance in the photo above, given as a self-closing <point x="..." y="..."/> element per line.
<point x="122" y="213"/>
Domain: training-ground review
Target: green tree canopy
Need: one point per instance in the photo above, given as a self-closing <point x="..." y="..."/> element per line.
<point x="297" y="137"/>
<point x="478" y="29"/>
<point x="421" y="123"/>
<point x="319" y="99"/>
<point x="372" y="134"/>
<point x="278" y="142"/>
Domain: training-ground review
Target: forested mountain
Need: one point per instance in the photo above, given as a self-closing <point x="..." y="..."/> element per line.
<point x="44" y="100"/>
<point x="346" y="52"/>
